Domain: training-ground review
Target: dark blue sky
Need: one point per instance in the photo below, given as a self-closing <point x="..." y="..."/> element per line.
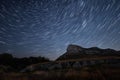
<point x="46" y="27"/>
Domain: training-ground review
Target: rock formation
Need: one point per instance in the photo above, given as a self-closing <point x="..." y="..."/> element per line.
<point x="78" y="52"/>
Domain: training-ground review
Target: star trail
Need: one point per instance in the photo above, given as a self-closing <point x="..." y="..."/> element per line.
<point x="47" y="27"/>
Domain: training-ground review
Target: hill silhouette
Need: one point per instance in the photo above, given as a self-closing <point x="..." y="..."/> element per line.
<point x="73" y="53"/>
<point x="78" y="52"/>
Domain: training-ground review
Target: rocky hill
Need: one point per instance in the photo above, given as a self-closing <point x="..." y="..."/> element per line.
<point x="77" y="57"/>
<point x="78" y="52"/>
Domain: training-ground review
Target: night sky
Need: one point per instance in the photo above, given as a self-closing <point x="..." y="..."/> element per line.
<point x="47" y="27"/>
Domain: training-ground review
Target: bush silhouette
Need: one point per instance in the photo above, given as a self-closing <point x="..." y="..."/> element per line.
<point x="19" y="63"/>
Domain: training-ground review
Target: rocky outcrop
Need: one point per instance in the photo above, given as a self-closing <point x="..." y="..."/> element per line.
<point x="78" y="52"/>
<point x="74" y="49"/>
<point x="75" y="64"/>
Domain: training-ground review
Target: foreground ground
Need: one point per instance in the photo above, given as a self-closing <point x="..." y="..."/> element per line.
<point x="97" y="72"/>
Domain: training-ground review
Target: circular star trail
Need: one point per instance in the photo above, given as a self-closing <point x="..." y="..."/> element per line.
<point x="46" y="27"/>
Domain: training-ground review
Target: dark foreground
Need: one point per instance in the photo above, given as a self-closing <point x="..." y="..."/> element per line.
<point x="96" y="72"/>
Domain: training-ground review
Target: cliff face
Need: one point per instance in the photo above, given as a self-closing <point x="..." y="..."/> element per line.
<point x="78" y="52"/>
<point x="74" y="49"/>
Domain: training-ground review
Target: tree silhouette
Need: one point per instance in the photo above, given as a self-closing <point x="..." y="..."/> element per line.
<point x="20" y="63"/>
